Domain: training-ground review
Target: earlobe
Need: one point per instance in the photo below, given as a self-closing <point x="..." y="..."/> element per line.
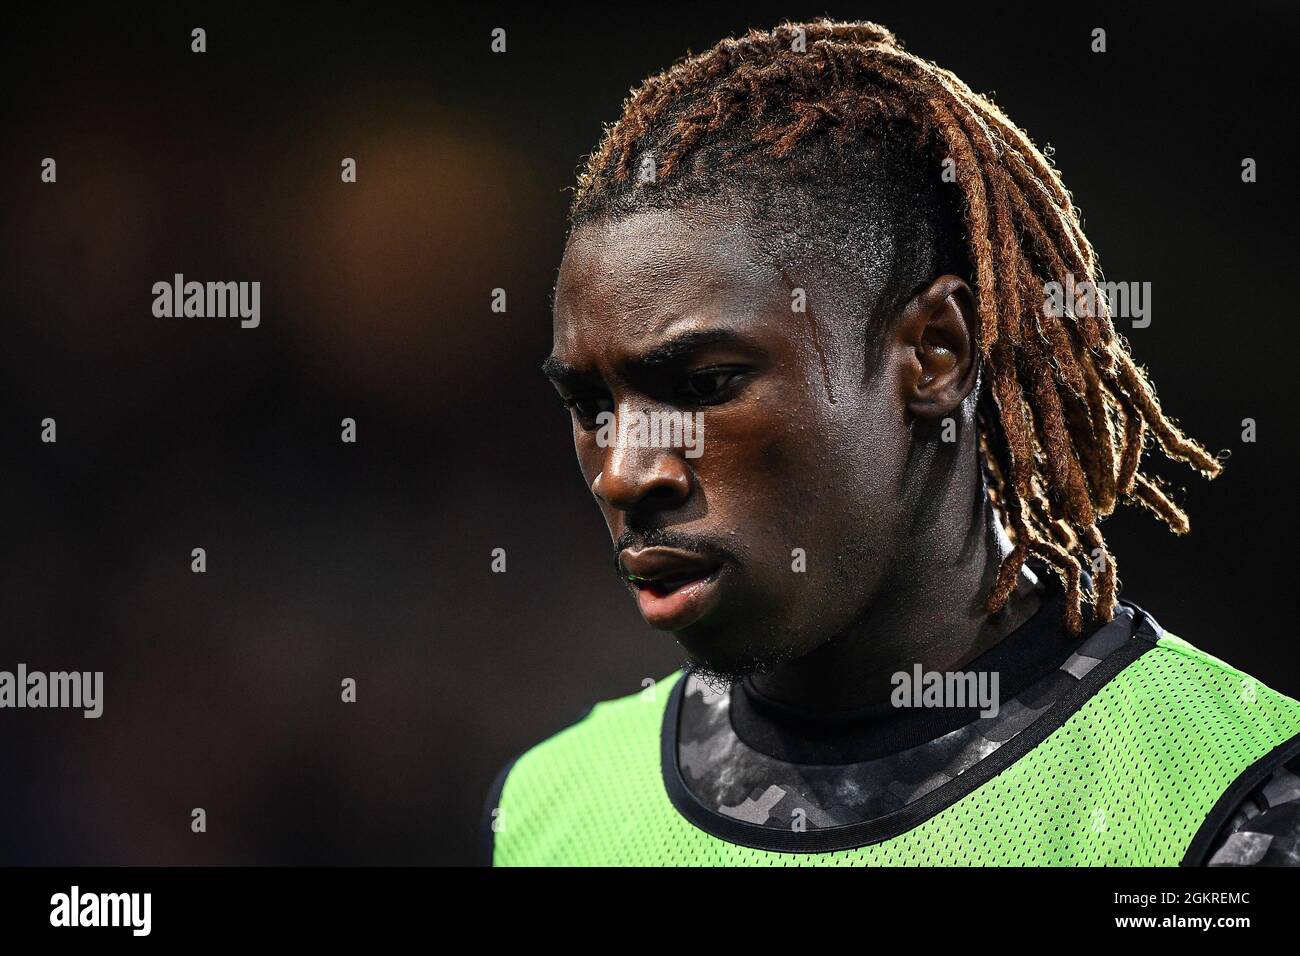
<point x="939" y="328"/>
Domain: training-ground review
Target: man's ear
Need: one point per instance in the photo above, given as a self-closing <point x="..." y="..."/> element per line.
<point x="935" y="338"/>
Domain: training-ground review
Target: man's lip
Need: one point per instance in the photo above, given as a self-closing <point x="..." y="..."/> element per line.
<point x="674" y="588"/>
<point x="664" y="564"/>
<point x="672" y="604"/>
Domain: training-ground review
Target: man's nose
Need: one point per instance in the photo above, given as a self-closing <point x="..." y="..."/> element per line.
<point x="654" y="479"/>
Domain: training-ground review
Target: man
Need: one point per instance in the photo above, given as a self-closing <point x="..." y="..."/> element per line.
<point x="842" y="270"/>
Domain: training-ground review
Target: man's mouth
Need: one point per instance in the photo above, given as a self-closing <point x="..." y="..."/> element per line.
<point x="664" y="586"/>
<point x="674" y="588"/>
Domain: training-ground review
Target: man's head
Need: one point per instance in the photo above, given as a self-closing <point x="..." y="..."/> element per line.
<point x="837" y="255"/>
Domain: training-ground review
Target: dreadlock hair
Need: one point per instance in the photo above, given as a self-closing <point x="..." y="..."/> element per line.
<point x="837" y="136"/>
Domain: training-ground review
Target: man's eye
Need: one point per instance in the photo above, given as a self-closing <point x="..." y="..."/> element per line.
<point x="587" y="407"/>
<point x="703" y="388"/>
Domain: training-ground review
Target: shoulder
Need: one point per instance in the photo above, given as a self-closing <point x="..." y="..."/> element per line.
<point x="612" y="743"/>
<point x="1195" y="680"/>
<point x="1230" y="718"/>
<point x="606" y="725"/>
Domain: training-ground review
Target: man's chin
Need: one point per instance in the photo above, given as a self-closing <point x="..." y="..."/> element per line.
<point x="720" y="672"/>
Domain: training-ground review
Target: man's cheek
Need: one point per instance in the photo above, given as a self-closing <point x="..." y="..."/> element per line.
<point x="760" y="446"/>
<point x="590" y="459"/>
<point x="773" y="458"/>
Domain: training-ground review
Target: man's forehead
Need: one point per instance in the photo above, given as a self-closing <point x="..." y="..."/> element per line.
<point x="635" y="287"/>
<point x="636" y="327"/>
<point x="658" y="261"/>
<point x="651" y="335"/>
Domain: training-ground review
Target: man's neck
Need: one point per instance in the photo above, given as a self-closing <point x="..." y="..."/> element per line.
<point x="930" y="611"/>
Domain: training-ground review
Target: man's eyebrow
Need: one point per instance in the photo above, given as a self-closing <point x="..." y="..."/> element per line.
<point x="558" y="370"/>
<point x="665" y="353"/>
<point x="685" y="343"/>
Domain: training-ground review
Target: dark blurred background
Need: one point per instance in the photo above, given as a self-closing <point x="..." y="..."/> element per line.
<point x="371" y="560"/>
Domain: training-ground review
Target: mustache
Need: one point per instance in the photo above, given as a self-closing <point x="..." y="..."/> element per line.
<point x="667" y="538"/>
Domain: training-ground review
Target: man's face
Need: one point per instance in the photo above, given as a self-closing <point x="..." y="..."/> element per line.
<point x="771" y="541"/>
